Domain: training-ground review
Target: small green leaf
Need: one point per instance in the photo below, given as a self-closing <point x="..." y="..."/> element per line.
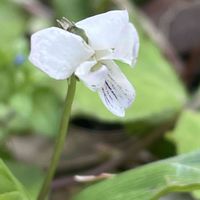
<point x="181" y="173"/>
<point x="186" y="135"/>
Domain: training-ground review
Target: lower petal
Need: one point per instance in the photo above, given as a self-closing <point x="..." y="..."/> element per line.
<point x="117" y="93"/>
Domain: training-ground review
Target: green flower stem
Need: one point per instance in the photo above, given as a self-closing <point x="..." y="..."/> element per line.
<point x="60" y="139"/>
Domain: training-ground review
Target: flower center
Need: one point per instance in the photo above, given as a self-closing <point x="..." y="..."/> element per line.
<point x="103" y="54"/>
<point x="96" y="67"/>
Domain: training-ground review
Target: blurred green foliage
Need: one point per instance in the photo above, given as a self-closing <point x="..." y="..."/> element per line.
<point x="13" y="24"/>
<point x="74" y="10"/>
<point x="27" y="99"/>
<point x="78" y="9"/>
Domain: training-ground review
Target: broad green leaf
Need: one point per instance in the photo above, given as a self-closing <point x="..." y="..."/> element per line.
<point x="10" y="188"/>
<point x="181" y="173"/>
<point x="186" y="134"/>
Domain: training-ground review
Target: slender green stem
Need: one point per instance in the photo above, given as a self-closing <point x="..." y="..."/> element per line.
<point x="60" y="139"/>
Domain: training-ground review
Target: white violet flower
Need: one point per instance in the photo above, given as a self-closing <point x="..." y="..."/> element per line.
<point x="111" y="36"/>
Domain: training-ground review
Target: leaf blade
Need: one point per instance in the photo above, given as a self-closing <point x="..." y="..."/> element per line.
<point x="181" y="173"/>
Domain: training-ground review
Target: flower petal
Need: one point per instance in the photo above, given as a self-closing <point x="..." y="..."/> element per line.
<point x="57" y="52"/>
<point x="127" y="47"/>
<point x="93" y="79"/>
<point x="117" y="92"/>
<point x="103" y="30"/>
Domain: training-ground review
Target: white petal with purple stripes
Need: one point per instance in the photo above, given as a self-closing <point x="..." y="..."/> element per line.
<point x="117" y="93"/>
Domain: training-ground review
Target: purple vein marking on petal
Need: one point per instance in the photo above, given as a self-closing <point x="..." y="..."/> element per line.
<point x="106" y="98"/>
<point x="108" y="93"/>
<point x="116" y="86"/>
<point x="111" y="89"/>
<point x="119" y="87"/>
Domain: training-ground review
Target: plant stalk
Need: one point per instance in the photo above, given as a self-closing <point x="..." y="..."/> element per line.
<point x="60" y="139"/>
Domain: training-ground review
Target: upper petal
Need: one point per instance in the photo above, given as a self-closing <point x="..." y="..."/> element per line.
<point x="127" y="46"/>
<point x="103" y="30"/>
<point x="117" y="93"/>
<point x="93" y="79"/>
<point x="58" y="52"/>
